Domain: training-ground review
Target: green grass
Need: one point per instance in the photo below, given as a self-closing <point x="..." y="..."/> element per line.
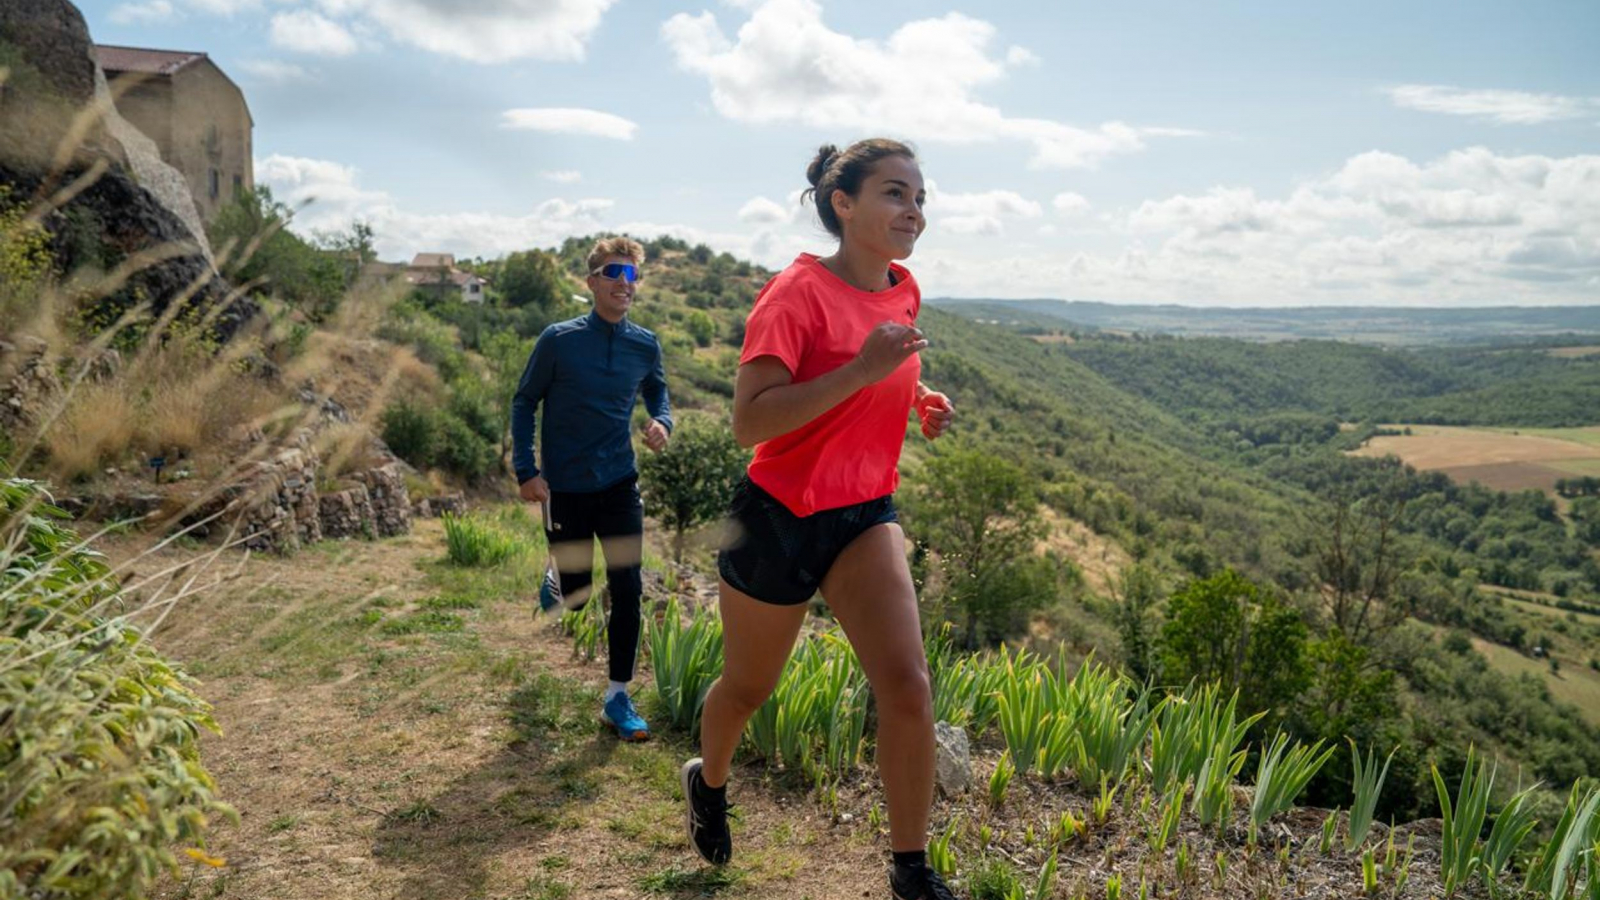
<point x="704" y="882"/>
<point x="1587" y="435"/>
<point x="1576" y="684"/>
<point x="1575" y="466"/>
<point x="430" y="621"/>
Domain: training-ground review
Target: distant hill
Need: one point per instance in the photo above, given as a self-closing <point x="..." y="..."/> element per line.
<point x="1367" y="324"/>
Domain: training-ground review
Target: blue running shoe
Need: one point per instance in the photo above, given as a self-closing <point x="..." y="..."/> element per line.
<point x="621" y="716"/>
<point x="549" y="592"/>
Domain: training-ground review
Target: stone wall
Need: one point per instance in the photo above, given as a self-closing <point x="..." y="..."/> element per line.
<point x="348" y="514"/>
<point x="391" y="504"/>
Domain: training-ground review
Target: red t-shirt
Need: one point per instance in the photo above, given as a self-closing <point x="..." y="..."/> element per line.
<point x="813" y="322"/>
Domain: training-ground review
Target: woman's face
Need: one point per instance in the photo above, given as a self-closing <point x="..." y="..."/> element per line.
<point x="885" y="217"/>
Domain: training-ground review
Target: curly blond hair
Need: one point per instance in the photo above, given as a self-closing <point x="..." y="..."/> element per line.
<point x="615" y="246"/>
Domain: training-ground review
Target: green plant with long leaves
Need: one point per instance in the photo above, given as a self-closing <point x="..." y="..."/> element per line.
<point x="1024" y="714"/>
<point x="1001" y="780"/>
<point x="1366" y="783"/>
<point x="1506" y="836"/>
<point x="941" y="852"/>
<point x="1110" y="730"/>
<point x="1187" y="727"/>
<point x="686" y="657"/>
<point x="1171" y="813"/>
<point x="1462" y="820"/>
<point x="586" y="626"/>
<point x="1552" y="871"/>
<point x="815" y="720"/>
<point x="1213" y="788"/>
<point x="1282" y="774"/>
<point x="956" y="680"/>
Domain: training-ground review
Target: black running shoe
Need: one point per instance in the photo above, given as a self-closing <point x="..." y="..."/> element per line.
<point x="921" y="883"/>
<point x="707" y="819"/>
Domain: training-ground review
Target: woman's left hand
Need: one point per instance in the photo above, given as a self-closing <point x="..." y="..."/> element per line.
<point x="936" y="412"/>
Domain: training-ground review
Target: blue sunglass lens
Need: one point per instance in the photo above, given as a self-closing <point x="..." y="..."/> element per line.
<point x="620" y="270"/>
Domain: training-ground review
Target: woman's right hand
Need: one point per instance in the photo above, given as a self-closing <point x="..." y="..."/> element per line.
<point x="886" y="347"/>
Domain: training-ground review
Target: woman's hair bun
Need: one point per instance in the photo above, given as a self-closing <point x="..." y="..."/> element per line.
<point x="826" y="154"/>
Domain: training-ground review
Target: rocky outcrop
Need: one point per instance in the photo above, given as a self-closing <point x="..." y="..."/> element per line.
<point x="164" y="182"/>
<point x="60" y="126"/>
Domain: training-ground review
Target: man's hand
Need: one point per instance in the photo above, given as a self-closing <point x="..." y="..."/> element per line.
<point x="656" y="436"/>
<point x="936" y="412"/>
<point x="535" y="490"/>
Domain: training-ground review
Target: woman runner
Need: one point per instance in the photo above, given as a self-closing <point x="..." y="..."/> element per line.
<point x="828" y="374"/>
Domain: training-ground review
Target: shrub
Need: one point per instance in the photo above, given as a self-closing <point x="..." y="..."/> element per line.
<point x="410" y="431"/>
<point x="99" y="765"/>
<point x="693" y="480"/>
<point x="472" y="542"/>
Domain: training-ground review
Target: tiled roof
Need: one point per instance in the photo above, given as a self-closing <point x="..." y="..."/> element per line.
<point x="446" y="260"/>
<point x="140" y="59"/>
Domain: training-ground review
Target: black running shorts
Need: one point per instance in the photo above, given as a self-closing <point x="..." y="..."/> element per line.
<point x="778" y="557"/>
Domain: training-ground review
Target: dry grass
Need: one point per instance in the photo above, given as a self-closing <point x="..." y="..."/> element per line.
<point x="1502" y="459"/>
<point x="176" y="399"/>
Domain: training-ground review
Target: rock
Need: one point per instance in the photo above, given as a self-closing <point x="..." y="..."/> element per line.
<point x="952" y="759"/>
<point x="434" y="507"/>
<point x="28" y="383"/>
<point x="165" y="183"/>
<point x="137" y="204"/>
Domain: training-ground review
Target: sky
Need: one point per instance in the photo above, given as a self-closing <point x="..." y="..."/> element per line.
<point x="1423" y="153"/>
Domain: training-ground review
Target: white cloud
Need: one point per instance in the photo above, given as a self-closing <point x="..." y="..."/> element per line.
<point x="1470" y="227"/>
<point x="788" y="66"/>
<point x="978" y="213"/>
<point x="1021" y="56"/>
<point x="142" y="13"/>
<point x="304" y="31"/>
<point x="331" y="197"/>
<point x="487" y="31"/>
<point x="570" y="121"/>
<point x="761" y="211"/>
<point x="565" y="176"/>
<point x="222" y="7"/>
<point x="1069" y="204"/>
<point x="275" y="71"/>
<point x="1501" y="106"/>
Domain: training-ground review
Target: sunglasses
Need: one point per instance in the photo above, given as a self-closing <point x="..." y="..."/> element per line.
<point x="626" y="271"/>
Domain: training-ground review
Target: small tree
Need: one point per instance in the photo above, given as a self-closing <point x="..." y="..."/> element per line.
<point x="978" y="515"/>
<point x="533" y="278"/>
<point x="1226" y="629"/>
<point x="693" y="480"/>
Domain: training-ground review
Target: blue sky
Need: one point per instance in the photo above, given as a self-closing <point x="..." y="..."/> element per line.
<point x="1215" y="154"/>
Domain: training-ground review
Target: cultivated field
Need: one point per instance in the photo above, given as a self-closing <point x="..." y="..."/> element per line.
<point x="1500" y="458"/>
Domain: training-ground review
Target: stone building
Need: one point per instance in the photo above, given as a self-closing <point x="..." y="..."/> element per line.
<point x="437" y="272"/>
<point x="193" y="111"/>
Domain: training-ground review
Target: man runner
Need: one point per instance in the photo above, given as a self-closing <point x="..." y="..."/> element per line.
<point x="588" y="372"/>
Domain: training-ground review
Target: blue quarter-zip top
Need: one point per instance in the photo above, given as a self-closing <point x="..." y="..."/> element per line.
<point x="587" y="373"/>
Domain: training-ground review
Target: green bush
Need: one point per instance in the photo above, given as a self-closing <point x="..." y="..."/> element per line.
<point x="100" y="776"/>
<point x="410" y="431"/>
<point x="253" y="229"/>
<point x="693" y="480"/>
<point x="471" y="541"/>
<point x="433" y="438"/>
